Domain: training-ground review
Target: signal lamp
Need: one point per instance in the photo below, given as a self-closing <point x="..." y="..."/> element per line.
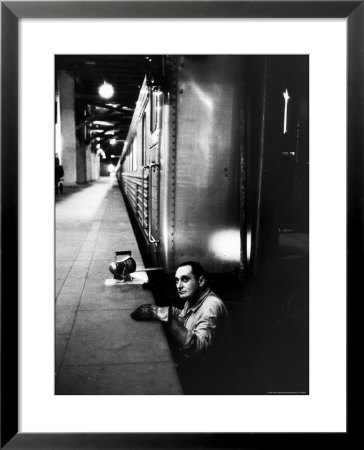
<point x="122" y="268"/>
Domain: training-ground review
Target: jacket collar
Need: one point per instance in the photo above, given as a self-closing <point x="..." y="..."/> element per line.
<point x="201" y="299"/>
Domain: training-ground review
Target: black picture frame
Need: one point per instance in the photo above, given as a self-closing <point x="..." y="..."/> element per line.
<point x="11" y="12"/>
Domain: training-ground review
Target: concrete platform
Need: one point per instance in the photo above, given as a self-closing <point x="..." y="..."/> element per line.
<point x="99" y="348"/>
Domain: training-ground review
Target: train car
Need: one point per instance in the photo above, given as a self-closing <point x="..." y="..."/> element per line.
<point x="215" y="164"/>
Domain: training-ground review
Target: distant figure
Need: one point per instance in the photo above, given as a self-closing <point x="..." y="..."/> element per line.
<point x="201" y="330"/>
<point x="59" y="173"/>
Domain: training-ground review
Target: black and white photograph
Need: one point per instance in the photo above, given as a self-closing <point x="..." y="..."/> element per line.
<point x="181" y="224"/>
<point x="181" y="221"/>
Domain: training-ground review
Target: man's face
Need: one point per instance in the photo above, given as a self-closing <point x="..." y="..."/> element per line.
<point x="188" y="286"/>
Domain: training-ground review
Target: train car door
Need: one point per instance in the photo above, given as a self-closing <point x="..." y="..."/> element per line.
<point x="152" y="168"/>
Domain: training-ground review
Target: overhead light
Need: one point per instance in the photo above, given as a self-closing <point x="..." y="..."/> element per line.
<point x="106" y="90"/>
<point x="100" y="109"/>
<point x="103" y="122"/>
<point x="286" y="98"/>
<point x="112" y="141"/>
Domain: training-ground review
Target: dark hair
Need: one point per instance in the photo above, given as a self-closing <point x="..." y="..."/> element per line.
<point x="197" y="269"/>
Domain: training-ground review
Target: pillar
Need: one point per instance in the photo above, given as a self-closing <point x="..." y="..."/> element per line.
<point x="95" y="166"/>
<point x="88" y="163"/>
<point x="66" y="89"/>
<point x="81" y="163"/>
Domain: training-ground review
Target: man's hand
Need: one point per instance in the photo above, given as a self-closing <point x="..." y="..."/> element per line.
<point x="146" y="312"/>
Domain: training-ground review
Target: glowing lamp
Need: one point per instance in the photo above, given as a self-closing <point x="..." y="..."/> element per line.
<point x="106" y="90"/>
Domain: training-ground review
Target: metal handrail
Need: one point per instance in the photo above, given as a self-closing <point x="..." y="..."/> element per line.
<point x="151" y="239"/>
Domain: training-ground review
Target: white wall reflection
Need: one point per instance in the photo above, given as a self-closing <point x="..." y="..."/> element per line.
<point x="225" y="244"/>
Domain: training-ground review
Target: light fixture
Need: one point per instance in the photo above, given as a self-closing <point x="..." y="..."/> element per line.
<point x="113" y="141"/>
<point x="106" y="90"/>
<point x="103" y="123"/>
<point x="286" y="98"/>
<point x="124" y="265"/>
<point x="122" y="268"/>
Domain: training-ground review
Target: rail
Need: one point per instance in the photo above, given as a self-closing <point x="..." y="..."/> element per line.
<point x="136" y="189"/>
<point x="151" y="239"/>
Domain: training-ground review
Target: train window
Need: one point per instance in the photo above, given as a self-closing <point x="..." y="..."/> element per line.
<point x="158" y="107"/>
<point x="286" y="99"/>
<point x="134" y="154"/>
<point x="154" y="110"/>
<point x="131" y="158"/>
<point x="144" y="139"/>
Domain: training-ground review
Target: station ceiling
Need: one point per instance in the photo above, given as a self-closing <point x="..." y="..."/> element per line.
<point x="107" y="118"/>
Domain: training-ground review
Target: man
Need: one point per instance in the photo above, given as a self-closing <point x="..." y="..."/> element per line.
<point x="59" y="173"/>
<point x="201" y="331"/>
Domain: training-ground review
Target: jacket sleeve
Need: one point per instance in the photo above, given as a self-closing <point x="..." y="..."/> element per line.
<point x="198" y="341"/>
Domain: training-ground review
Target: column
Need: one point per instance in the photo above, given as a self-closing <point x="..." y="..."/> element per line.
<point x="66" y="87"/>
<point x="81" y="163"/>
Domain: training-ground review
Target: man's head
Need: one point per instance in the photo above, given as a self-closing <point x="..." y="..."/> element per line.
<point x="190" y="280"/>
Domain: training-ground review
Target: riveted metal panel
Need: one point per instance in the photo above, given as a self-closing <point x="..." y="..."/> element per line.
<point x="207" y="227"/>
<point x="168" y="138"/>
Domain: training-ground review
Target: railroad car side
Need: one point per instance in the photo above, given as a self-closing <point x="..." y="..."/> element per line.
<point x="209" y="114"/>
<point x="209" y="170"/>
<point x="130" y="166"/>
<point x="139" y="165"/>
